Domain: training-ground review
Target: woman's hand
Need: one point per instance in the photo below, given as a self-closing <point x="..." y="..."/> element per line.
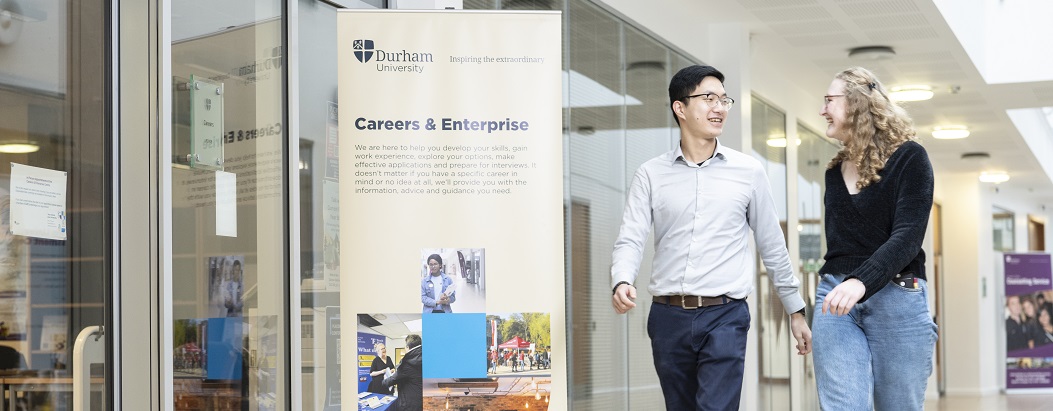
<point x="844" y="297"/>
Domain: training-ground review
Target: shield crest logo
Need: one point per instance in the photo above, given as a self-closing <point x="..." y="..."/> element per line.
<point x="363" y="50"/>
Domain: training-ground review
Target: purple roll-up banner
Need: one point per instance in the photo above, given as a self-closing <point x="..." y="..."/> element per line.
<point x="1028" y="321"/>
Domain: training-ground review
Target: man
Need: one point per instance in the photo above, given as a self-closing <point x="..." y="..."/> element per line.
<point x="1017" y="335"/>
<point x="408" y="377"/>
<point x="702" y="199"/>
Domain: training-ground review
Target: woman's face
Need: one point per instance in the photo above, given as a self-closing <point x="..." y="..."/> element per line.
<point x="381" y="350"/>
<point x="434" y="267"/>
<point x="1043" y="317"/>
<point x="834" y="110"/>
<point x="1029" y="308"/>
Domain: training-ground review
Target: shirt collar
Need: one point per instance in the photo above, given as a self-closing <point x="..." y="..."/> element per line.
<point x="678" y="154"/>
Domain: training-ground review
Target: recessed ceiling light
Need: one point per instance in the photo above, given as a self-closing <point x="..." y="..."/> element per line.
<point x="911" y="93"/>
<point x="872" y="53"/>
<point x="950" y="132"/>
<point x="646" y="65"/>
<point x="994" y="177"/>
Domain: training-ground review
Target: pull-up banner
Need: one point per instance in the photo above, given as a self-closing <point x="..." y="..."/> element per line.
<point x="451" y="204"/>
<point x="1028" y="321"/>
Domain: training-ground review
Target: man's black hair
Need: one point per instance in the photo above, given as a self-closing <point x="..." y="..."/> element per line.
<point x="686" y="80"/>
<point x="435" y="257"/>
<point x="412" y="340"/>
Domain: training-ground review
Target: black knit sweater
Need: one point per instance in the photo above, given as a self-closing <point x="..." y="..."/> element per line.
<point x="877" y="233"/>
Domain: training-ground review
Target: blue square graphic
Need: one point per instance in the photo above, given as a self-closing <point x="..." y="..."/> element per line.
<point x="454" y="345"/>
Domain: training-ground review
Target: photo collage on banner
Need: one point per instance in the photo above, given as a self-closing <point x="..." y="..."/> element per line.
<point x="451" y="209"/>
<point x="1028" y="321"/>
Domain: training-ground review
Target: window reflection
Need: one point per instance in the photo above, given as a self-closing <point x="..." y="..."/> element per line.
<point x="53" y="83"/>
<point x="768" y="143"/>
<point x="228" y="263"/>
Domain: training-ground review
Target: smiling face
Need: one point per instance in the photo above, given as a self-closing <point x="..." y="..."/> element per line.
<point x="1013" y="303"/>
<point x="433" y="267"/>
<point x="697" y="117"/>
<point x="834" y="110"/>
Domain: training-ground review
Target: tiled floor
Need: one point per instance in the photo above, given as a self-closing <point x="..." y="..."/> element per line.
<point x="1018" y="402"/>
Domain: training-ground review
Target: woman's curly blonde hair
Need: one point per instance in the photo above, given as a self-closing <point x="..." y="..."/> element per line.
<point x="875" y="125"/>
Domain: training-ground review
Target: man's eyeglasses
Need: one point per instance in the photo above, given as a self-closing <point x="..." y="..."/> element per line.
<point x="713" y="100"/>
<point x="830" y="97"/>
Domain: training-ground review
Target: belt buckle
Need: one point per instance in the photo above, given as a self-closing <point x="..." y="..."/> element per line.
<point x="683" y="303"/>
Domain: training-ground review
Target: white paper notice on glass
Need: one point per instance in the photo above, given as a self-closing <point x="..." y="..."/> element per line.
<point x="38" y="202"/>
<point x="226" y="204"/>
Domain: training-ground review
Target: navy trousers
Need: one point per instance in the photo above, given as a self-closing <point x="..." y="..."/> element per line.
<point x="700" y="354"/>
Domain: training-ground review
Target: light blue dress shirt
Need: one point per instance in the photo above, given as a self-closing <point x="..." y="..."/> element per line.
<point x="702" y="216"/>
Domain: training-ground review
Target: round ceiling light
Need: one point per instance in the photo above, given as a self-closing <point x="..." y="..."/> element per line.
<point x="871" y="53"/>
<point x="911" y="93"/>
<point x="950" y="132"/>
<point x="994" y="177"/>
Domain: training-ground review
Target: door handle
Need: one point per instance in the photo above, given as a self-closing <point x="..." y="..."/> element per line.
<point x="87" y="350"/>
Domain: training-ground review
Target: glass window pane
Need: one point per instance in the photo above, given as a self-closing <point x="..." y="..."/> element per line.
<point x="55" y="271"/>
<point x="648" y="127"/>
<point x="813" y="154"/>
<point x="595" y="96"/>
<point x="319" y="203"/>
<point x="228" y="213"/>
<point x="769" y="147"/>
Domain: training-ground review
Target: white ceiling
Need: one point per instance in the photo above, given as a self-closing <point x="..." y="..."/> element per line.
<point x="812" y="39"/>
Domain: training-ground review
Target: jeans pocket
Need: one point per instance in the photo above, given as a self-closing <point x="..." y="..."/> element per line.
<point x="908" y="281"/>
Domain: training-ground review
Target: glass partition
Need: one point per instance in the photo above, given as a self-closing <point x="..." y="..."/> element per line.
<point x="769" y="147"/>
<point x="229" y="275"/>
<point x="56" y="265"/>
<point x="319" y="198"/>
<point x="813" y="154"/>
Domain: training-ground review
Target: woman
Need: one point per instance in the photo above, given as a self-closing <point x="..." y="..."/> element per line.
<point x="381" y="365"/>
<point x="1044" y="332"/>
<point x="873" y="333"/>
<point x="436" y="289"/>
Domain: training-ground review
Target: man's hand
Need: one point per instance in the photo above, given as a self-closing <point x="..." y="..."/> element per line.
<point x="801" y="332"/>
<point x="623" y="298"/>
<point x="842" y="298"/>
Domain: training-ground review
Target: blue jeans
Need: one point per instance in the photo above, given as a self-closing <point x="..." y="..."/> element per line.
<point x="879" y="355"/>
<point x="699" y="354"/>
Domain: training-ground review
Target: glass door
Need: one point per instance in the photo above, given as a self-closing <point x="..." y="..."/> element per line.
<point x="56" y="227"/>
<point x="229" y="247"/>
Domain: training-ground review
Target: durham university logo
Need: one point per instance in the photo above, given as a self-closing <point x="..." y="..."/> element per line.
<point x="363" y="50"/>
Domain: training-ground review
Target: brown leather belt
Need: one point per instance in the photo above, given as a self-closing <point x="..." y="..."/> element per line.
<point x="691" y="302"/>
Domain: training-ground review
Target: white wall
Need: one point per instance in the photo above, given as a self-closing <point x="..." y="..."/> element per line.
<point x="969" y="331"/>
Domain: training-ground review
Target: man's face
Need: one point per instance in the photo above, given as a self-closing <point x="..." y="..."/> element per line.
<point x="698" y="116"/>
<point x="1014" y="305"/>
<point x="433" y="267"/>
